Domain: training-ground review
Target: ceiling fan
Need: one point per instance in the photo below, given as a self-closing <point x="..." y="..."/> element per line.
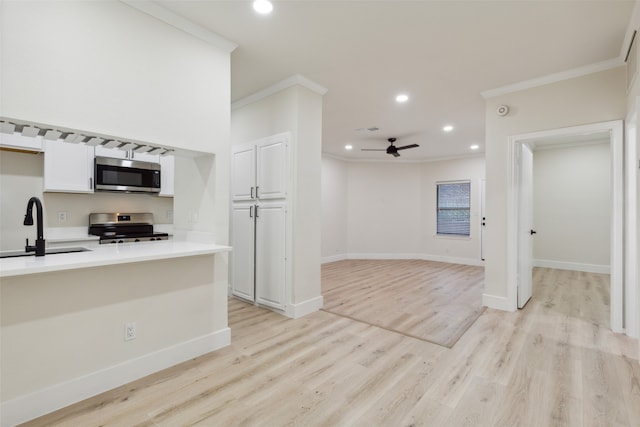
<point x="392" y="149"/>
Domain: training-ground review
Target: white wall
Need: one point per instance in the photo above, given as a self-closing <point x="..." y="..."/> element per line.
<point x="384" y="212"/>
<point x="572" y="207"/>
<point x="298" y="110"/>
<point x="593" y="98"/>
<point x="388" y="210"/>
<point x="334" y="209"/>
<point x="103" y="66"/>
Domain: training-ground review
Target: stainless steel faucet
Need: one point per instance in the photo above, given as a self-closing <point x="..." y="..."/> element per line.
<point x="28" y="220"/>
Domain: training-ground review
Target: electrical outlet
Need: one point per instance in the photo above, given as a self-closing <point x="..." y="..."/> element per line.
<point x="62" y="216"/>
<point x="170" y="215"/>
<point x="130" y="331"/>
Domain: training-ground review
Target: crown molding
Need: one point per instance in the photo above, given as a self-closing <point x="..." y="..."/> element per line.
<point x="554" y="78"/>
<point x="396" y="160"/>
<point x="168" y="17"/>
<point x="295" y="80"/>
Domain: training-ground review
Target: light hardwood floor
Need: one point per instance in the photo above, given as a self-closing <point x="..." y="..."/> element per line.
<point x="554" y="363"/>
<point x="433" y="301"/>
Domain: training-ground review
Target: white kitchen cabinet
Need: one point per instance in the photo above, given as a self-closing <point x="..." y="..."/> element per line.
<point x="117" y="153"/>
<point x="270" y="262"/>
<point x="258" y="263"/>
<point x="259" y="169"/>
<point x="243" y="172"/>
<point x="167" y="176"/>
<point x="17" y="141"/>
<point x="242" y="261"/>
<point x="113" y="153"/>
<point x="259" y="221"/>
<point x="68" y="168"/>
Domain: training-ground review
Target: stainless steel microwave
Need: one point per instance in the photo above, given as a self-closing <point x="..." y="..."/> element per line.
<point x="126" y="175"/>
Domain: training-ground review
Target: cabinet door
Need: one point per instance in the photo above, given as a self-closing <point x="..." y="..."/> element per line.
<point x="20" y="142"/>
<point x="144" y="157"/>
<point x="242" y="256"/>
<point x="166" y="176"/>
<point x="243" y="178"/>
<point x="270" y="255"/>
<point x="111" y="152"/>
<point x="271" y="168"/>
<point x="68" y="168"/>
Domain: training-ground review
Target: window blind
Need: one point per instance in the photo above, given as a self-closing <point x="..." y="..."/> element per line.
<point x="454" y="208"/>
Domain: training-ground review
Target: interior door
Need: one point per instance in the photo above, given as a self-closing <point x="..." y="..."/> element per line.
<point x="270" y="254"/>
<point x="525" y="226"/>
<point x="243" y="257"/>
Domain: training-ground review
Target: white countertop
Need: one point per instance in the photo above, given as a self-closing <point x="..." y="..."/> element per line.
<point x="117" y="253"/>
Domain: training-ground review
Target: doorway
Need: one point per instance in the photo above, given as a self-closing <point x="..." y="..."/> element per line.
<point x="519" y="263"/>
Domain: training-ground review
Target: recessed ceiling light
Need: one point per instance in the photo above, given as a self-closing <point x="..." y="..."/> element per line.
<point x="474" y="147"/>
<point x="402" y="98"/>
<point x="348" y="147"/>
<point x="262" y="6"/>
<point x="447" y="128"/>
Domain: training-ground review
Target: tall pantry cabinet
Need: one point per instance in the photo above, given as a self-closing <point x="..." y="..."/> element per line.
<point x="259" y="180"/>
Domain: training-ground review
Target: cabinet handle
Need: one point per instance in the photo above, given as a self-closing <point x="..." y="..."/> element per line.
<point x="251" y="193"/>
<point x="257" y="216"/>
<point x="90" y="183"/>
<point x="250" y="211"/>
<point x="257" y="197"/>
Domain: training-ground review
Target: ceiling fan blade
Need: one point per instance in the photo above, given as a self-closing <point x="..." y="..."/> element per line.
<point x="395" y="154"/>
<point x="408" y="146"/>
<point x="373" y="149"/>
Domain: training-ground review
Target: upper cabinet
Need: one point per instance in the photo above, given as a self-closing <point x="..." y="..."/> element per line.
<point x="118" y="153"/>
<point x="166" y="175"/>
<point x="259" y="169"/>
<point x="243" y="172"/>
<point x="17" y="141"/>
<point x="68" y="167"/>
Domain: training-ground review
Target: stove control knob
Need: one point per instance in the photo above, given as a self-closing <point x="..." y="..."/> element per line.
<point x="113" y="241"/>
<point x="152" y="239"/>
<point x="120" y="241"/>
<point x="137" y="240"/>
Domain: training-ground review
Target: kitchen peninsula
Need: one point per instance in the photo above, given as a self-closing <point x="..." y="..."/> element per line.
<point x="65" y="317"/>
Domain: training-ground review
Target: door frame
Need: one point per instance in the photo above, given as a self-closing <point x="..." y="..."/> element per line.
<point x="616" y="132"/>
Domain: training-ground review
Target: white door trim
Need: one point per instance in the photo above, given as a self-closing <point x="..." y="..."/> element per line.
<point x="615" y="129"/>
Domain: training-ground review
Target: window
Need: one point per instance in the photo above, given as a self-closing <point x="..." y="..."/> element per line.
<point x="454" y="208"/>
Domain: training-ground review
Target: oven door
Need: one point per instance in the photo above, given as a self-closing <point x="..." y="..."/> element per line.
<point x="126" y="175"/>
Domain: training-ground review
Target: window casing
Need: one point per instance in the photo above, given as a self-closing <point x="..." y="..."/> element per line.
<point x="454" y="208"/>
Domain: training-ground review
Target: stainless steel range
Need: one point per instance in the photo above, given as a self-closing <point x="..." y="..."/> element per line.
<point x="124" y="227"/>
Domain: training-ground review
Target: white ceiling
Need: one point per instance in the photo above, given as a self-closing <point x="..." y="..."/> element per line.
<point x="443" y="54"/>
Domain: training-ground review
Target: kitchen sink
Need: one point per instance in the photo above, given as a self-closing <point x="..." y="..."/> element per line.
<point x="51" y="251"/>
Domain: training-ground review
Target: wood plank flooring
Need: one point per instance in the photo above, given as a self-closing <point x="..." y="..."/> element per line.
<point x="554" y="363"/>
<point x="432" y="301"/>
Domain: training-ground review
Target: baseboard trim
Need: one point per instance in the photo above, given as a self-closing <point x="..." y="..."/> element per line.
<point x="333" y="258"/>
<point x="574" y="266"/>
<point x="454" y="260"/>
<point x="41" y="402"/>
<point x="296" y="311"/>
<point x="497" y="302"/>
<point x="426" y="257"/>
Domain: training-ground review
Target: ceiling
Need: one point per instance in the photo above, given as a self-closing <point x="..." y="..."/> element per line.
<point x="442" y="54"/>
